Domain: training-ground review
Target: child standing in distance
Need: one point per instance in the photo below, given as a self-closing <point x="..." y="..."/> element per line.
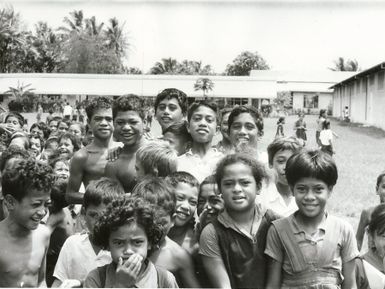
<point x="225" y="145"/>
<point x="89" y="162"/>
<point x="169" y="255"/>
<point x="178" y="137"/>
<point x="366" y="213"/>
<point x="311" y="248"/>
<point x="130" y="230"/>
<point x="278" y="196"/>
<point x="245" y="128"/>
<point x="280" y="123"/>
<point x="24" y="241"/>
<point x="320" y="122"/>
<point x="202" y="158"/>
<point x="170" y="107"/>
<point x="80" y="254"/>
<point x="186" y="189"/>
<point x="155" y="158"/>
<point x="300" y="127"/>
<point x="326" y="138"/>
<point x="234" y="243"/>
<point x="129" y="123"/>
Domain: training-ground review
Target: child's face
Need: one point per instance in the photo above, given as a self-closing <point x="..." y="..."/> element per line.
<point x="311" y="196"/>
<point x="101" y="123"/>
<point x="14" y="123"/>
<point x="128" y="127"/>
<point x="203" y="125"/>
<point x="53" y="125"/>
<point x="177" y="143"/>
<point x="61" y="170"/>
<point x="381" y="190"/>
<point x="66" y="148"/>
<point x="37" y="131"/>
<point x="279" y="165"/>
<point x="92" y="214"/>
<point x="168" y="112"/>
<point x="75" y="130"/>
<point x="238" y="187"/>
<point x="225" y="126"/>
<point x="30" y="210"/>
<point x="243" y="130"/>
<point x="128" y="240"/>
<point x="379" y="243"/>
<point x="89" y="137"/>
<point x="209" y="200"/>
<point x="186" y="203"/>
<point x="35" y="146"/>
<point x="52" y="146"/>
<point x="63" y="127"/>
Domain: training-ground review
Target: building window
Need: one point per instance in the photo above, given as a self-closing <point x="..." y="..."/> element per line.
<point x="381" y="75"/>
<point x="310" y="101"/>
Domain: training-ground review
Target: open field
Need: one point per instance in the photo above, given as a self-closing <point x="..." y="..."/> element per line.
<point x="360" y="158"/>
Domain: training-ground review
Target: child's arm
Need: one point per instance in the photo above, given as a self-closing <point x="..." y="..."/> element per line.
<point x="349" y="273"/>
<point x="216" y="271"/>
<point x="364" y="221"/>
<point x="76" y="177"/>
<point x="274" y="274"/>
<point x="336" y="135"/>
<point x="187" y="270"/>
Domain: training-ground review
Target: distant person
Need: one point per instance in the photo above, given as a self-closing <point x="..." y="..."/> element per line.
<point x="224" y="145"/>
<point x="280" y="123"/>
<point x="320" y="122"/>
<point x="178" y="137"/>
<point x="39" y="113"/>
<point x="300" y="128"/>
<point x="346" y="114"/>
<point x="326" y="138"/>
<point x="366" y="213"/>
<point x="67" y="111"/>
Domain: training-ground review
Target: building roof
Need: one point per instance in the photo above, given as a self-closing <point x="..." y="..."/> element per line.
<point x="143" y="85"/>
<point x="361" y="74"/>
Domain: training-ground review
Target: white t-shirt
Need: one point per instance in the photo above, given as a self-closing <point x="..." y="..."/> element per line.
<point x="77" y="258"/>
<point x="67" y="110"/>
<point x="326" y="136"/>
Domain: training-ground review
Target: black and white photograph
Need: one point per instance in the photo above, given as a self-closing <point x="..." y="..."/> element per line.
<point x="192" y="144"/>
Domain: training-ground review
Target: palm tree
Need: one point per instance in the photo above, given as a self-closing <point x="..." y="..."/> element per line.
<point x="92" y="28"/>
<point x="341" y="65"/>
<point x="75" y="23"/>
<point x="116" y="38"/>
<point x="204" y="84"/>
<point x="167" y="66"/>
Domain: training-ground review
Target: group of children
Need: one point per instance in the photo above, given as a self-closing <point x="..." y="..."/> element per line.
<point x="129" y="209"/>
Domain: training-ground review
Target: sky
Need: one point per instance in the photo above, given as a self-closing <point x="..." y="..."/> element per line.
<point x="289" y="35"/>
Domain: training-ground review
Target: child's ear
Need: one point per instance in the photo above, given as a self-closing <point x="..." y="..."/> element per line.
<point x="10" y="202"/>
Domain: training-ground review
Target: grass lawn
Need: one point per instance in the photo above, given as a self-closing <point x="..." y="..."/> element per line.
<point x="360" y="158"/>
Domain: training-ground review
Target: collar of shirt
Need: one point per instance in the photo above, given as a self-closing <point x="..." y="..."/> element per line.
<point x="225" y="219"/>
<point x="149" y="278"/>
<point x="298" y="229"/>
<point x="212" y="152"/>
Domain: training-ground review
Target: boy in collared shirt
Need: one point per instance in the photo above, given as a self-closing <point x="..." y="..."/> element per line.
<point x="202" y="158"/>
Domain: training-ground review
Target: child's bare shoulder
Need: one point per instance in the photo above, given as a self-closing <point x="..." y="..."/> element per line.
<point x="43" y="233"/>
<point x="179" y="254"/>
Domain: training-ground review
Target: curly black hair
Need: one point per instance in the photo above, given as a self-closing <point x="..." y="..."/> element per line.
<point x="255" y="114"/>
<point x="13" y="151"/>
<point x="100" y="102"/>
<point x="26" y="175"/>
<point x="128" y="102"/>
<point x="126" y="210"/>
<point x="170" y="93"/>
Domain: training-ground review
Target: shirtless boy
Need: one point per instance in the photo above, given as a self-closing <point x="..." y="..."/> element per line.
<point x="24" y="241"/>
<point x="129" y="123"/>
<point x="89" y="162"/>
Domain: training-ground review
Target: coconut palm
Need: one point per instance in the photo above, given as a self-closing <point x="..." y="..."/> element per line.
<point x="116" y="38"/>
<point x="204" y="84"/>
<point x="75" y="23"/>
<point x="92" y="28"/>
<point x="166" y="66"/>
<point x="345" y="65"/>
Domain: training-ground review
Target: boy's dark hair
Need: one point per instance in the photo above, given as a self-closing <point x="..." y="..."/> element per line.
<point x="74" y="139"/>
<point x="17" y="115"/>
<point x="377" y="220"/>
<point x="22" y="135"/>
<point x="255" y="114"/>
<point x="180" y="130"/>
<point x="311" y="164"/>
<point x="99" y="102"/>
<point x="379" y="179"/>
<point x="126" y="210"/>
<point x="326" y="124"/>
<point x="157" y="155"/>
<point x="156" y="191"/>
<point x="210" y="180"/>
<point x="41" y="126"/>
<point x="58" y="196"/>
<point x="27" y="175"/>
<point x="102" y="191"/>
<point x="182" y="177"/>
<point x="13" y="151"/>
<point x="281" y="119"/>
<point x="170" y="93"/>
<point x="321" y="112"/>
<point x="283" y="143"/>
<point x="126" y="103"/>
<point x="195" y="105"/>
<point x="257" y="169"/>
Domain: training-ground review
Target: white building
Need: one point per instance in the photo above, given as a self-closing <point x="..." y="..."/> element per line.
<point x="364" y="94"/>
